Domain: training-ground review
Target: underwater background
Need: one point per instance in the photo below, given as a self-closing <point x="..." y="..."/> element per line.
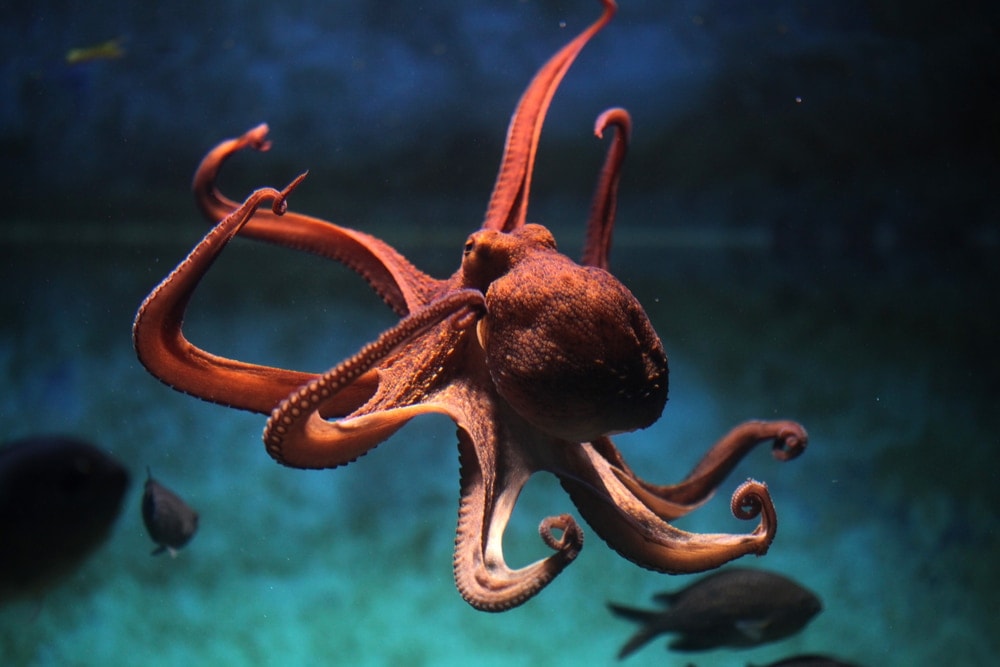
<point x="809" y="215"/>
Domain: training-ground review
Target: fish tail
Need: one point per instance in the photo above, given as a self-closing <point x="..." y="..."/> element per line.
<point x="644" y="635"/>
<point x="635" y="642"/>
<point x="632" y="613"/>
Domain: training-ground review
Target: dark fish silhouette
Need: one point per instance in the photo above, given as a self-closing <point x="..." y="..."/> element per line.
<point x="59" y="497"/>
<point x="169" y="520"/>
<point x="735" y="607"/>
<point x="808" y="660"/>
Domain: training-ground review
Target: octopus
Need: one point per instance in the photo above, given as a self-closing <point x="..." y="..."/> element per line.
<point x="536" y="358"/>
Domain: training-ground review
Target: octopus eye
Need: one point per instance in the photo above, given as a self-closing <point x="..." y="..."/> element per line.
<point x="487" y="255"/>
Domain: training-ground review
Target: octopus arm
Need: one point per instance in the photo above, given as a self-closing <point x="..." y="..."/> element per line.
<point x="489" y="490"/>
<point x="597" y="247"/>
<point x="788" y="440"/>
<point x="400" y="284"/>
<point x="633" y="529"/>
<point x="507" y="209"/>
<point x="298" y="435"/>
<point x="165" y="351"/>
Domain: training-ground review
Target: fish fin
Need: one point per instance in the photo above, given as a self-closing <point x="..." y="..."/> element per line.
<point x="753" y="628"/>
<point x="632" y="613"/>
<point x="635" y="642"/>
<point x="172" y="552"/>
<point x="644" y="634"/>
<point x="158" y="550"/>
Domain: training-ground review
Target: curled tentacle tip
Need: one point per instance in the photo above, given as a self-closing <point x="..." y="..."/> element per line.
<point x="256" y="137"/>
<point x="280" y="205"/>
<point x="613" y="116"/>
<point x="790" y="443"/>
<point x="750" y="499"/>
<point x="571" y="540"/>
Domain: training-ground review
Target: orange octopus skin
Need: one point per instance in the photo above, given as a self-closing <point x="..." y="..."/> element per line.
<point x="536" y="358"/>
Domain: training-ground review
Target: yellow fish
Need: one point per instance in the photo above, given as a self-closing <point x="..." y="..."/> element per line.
<point x="109" y="50"/>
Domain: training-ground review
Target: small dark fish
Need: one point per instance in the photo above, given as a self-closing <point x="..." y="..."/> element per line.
<point x="809" y="660"/>
<point x="59" y="497"/>
<point x="169" y="520"/>
<point x="736" y="607"/>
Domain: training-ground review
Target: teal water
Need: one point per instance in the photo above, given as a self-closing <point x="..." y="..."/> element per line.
<point x="890" y="515"/>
